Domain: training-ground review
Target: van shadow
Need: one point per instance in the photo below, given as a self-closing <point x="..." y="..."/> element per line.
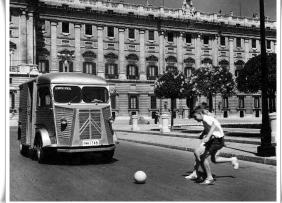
<point x="78" y="159"/>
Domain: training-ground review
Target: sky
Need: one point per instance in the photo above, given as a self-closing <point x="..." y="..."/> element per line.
<point x="248" y="7"/>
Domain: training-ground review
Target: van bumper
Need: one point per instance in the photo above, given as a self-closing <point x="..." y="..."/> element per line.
<point x="74" y="149"/>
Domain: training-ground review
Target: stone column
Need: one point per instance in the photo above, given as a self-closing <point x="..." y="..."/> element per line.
<point x="247" y="49"/>
<point x="180" y="52"/>
<point x="161" y="57"/>
<point x="198" y="48"/>
<point x="77" y="60"/>
<point x="100" y="57"/>
<point x="215" y="51"/>
<point x="165" y="121"/>
<point x="54" y="65"/>
<point x="135" y="126"/>
<point x="22" y="39"/>
<point x="30" y="46"/>
<point x="231" y="55"/>
<point x="142" y="55"/>
<point x="121" y="57"/>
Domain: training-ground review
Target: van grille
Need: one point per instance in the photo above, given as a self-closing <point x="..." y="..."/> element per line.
<point x="90" y="124"/>
<point x="64" y="135"/>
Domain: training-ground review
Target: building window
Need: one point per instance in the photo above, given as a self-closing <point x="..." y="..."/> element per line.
<point x="88" y="29"/>
<point x="133" y="102"/>
<point x="188" y="71"/>
<point x="238" y="42"/>
<point x="43" y="66"/>
<point x="268" y="44"/>
<point x="222" y="41"/>
<point x="152" y="72"/>
<point x="65" y="27"/>
<point x="256" y="102"/>
<point x="131" y="33"/>
<point x="254" y="43"/>
<point x="111" y="71"/>
<point x="11" y="80"/>
<point x="188" y="38"/>
<point x="89" y="68"/>
<point x="241" y="102"/>
<point x="111" y="32"/>
<point x="65" y="66"/>
<point x="171" y="68"/>
<point x="153" y="102"/>
<point x="132" y="72"/>
<point x="206" y="40"/>
<point x="225" y="103"/>
<point x="151" y="35"/>
<point x="170" y="37"/>
<point x="113" y="101"/>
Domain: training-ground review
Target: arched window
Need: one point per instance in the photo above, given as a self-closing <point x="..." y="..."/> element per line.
<point x="189" y="66"/>
<point x="65" y="66"/>
<point x="239" y="65"/>
<point x="206" y="61"/>
<point x="152" y="72"/>
<point x="224" y="64"/>
<point x="89" y="67"/>
<point x="111" y="70"/>
<point x="132" y="72"/>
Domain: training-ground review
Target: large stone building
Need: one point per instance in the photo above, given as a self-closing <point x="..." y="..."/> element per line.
<point x="129" y="45"/>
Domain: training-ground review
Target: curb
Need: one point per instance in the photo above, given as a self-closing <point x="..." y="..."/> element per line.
<point x="262" y="160"/>
<point x="190" y="136"/>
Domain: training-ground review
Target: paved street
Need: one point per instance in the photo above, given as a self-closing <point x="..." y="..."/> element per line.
<point x="70" y="178"/>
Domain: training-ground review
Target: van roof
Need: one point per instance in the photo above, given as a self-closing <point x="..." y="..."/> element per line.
<point x="69" y="78"/>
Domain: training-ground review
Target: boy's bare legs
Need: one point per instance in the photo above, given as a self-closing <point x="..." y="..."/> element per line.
<point x="207" y="169"/>
<point x="216" y="159"/>
<point x="197" y="153"/>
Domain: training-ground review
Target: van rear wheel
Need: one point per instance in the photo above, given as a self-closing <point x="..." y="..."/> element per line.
<point x="23" y="149"/>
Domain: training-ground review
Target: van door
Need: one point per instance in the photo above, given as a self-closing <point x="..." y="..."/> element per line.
<point x="29" y="112"/>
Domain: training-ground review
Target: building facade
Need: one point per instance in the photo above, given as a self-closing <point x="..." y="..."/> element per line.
<point x="129" y="46"/>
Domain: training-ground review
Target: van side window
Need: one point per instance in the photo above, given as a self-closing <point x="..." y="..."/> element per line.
<point x="44" y="97"/>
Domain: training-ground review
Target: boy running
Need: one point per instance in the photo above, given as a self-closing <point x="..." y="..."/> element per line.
<point x="213" y="140"/>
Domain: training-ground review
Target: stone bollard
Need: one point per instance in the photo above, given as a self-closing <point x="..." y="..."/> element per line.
<point x="165" y="121"/>
<point x="272" y="120"/>
<point x="135" y="123"/>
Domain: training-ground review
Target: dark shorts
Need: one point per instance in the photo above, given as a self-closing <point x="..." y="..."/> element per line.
<point x="213" y="146"/>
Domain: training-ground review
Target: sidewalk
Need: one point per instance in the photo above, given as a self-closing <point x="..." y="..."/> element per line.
<point x="245" y="148"/>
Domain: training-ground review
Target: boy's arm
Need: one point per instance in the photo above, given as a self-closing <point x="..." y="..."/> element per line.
<point x="207" y="138"/>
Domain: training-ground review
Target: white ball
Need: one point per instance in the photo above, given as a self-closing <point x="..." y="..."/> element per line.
<point x="140" y="177"/>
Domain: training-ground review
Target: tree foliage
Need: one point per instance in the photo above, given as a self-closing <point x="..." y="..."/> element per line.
<point x="211" y="80"/>
<point x="249" y="78"/>
<point x="172" y="84"/>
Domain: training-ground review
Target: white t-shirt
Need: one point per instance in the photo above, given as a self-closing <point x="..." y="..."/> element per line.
<point x="208" y="121"/>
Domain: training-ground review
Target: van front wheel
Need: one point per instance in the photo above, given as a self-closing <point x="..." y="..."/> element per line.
<point x="108" y="155"/>
<point x="40" y="154"/>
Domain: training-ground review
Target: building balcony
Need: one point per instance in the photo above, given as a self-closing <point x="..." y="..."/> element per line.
<point x="132" y="77"/>
<point x="149" y="77"/>
<point x="30" y="69"/>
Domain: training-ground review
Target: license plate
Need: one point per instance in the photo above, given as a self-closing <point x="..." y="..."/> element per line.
<point x="90" y="142"/>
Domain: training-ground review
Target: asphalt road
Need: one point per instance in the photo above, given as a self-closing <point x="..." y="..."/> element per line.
<point x="74" y="178"/>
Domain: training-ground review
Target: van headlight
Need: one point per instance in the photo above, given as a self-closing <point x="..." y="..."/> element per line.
<point x="64" y="124"/>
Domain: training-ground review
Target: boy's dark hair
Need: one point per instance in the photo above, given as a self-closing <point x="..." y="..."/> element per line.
<point x="204" y="105"/>
<point x="197" y="109"/>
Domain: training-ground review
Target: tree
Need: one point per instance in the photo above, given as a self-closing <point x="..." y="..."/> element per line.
<point x="211" y="80"/>
<point x="249" y="77"/>
<point x="172" y="85"/>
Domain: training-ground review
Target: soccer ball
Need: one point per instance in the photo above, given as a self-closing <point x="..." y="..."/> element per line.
<point x="140" y="177"/>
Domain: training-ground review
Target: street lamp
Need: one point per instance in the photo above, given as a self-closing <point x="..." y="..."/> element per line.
<point x="266" y="148"/>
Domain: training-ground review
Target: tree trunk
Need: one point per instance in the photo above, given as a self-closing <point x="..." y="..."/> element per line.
<point x="172" y="111"/>
<point x="210" y="102"/>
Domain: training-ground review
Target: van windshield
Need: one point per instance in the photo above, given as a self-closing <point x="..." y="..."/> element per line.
<point x="66" y="94"/>
<point x="95" y="94"/>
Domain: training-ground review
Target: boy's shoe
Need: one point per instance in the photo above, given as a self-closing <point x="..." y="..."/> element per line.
<point x="235" y="163"/>
<point x="192" y="176"/>
<point x="208" y="182"/>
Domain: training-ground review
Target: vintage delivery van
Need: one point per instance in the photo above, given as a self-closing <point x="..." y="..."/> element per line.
<point x="65" y="112"/>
